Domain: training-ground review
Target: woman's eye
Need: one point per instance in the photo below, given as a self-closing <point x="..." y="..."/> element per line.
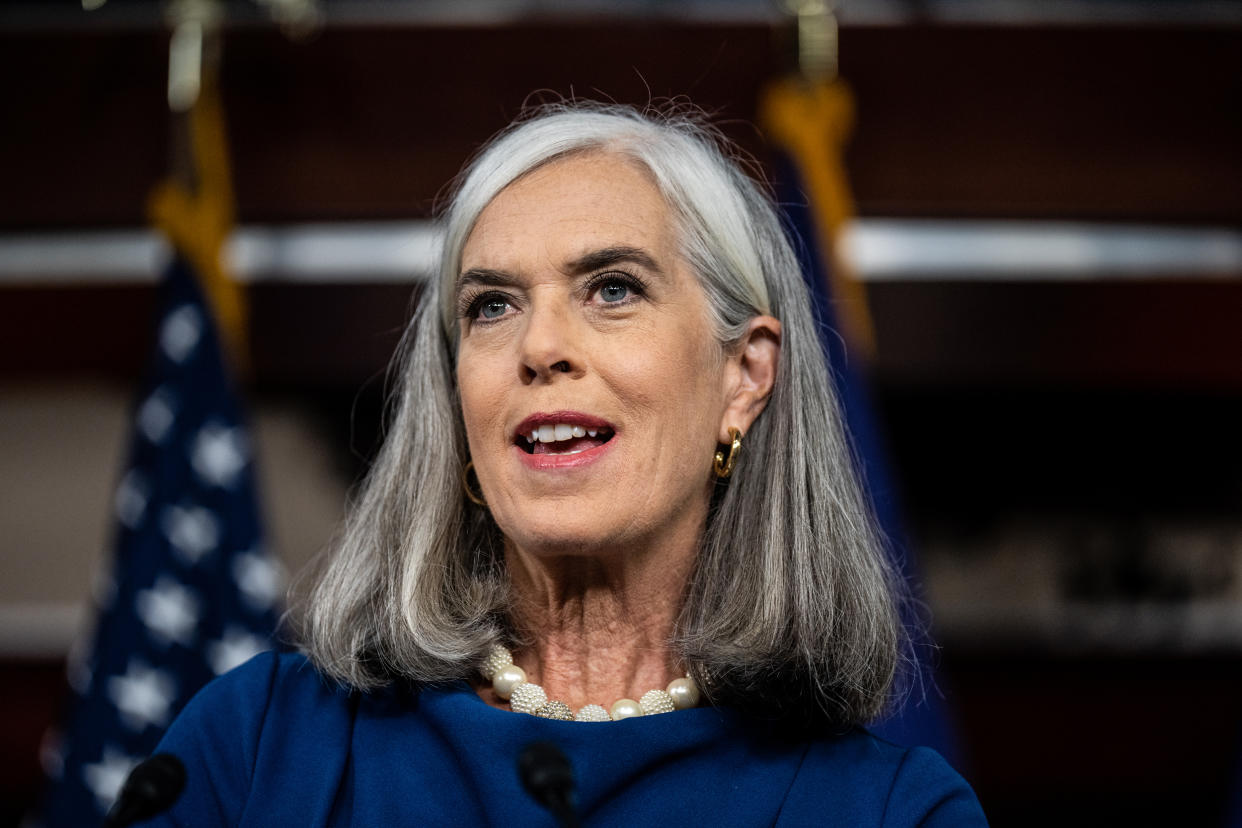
<point x="493" y="308"/>
<point x="614" y="291"/>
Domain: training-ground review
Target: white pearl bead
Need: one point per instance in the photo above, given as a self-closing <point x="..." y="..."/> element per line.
<point x="497" y="657"/>
<point x="527" y="698"/>
<point x="592" y="713"/>
<point x="624" y="709"/>
<point x="685" y="693"/>
<point x="507" y="679"/>
<point x="656" y="701"/>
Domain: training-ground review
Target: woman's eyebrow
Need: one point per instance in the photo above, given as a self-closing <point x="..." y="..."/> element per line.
<point x="484" y="276"/>
<point x="586" y="263"/>
<point x="608" y="256"/>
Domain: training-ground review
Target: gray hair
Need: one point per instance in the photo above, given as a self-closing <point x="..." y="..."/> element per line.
<point x="792" y="605"/>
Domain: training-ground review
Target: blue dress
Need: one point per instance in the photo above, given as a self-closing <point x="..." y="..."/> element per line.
<point x="274" y="743"/>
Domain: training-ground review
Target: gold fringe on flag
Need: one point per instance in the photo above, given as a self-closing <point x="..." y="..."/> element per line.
<point x="811" y="120"/>
<point x="197" y="217"/>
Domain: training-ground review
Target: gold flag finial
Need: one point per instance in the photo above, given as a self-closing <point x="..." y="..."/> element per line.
<point x="818" y="43"/>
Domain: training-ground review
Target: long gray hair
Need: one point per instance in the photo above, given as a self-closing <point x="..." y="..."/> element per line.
<point x="791" y="607"/>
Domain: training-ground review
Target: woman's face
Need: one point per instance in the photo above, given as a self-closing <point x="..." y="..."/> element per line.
<point x="582" y="326"/>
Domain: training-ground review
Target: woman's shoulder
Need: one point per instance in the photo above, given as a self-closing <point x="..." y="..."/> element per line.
<point x="275" y="705"/>
<point x="863" y="774"/>
<point x="268" y="680"/>
<point x="261" y="705"/>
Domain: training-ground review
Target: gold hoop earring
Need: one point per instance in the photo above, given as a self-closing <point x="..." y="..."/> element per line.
<point x="465" y="484"/>
<point x="723" y="466"/>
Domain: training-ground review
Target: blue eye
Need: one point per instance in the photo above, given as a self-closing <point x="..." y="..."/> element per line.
<point x="614" y="292"/>
<point x="493" y="308"/>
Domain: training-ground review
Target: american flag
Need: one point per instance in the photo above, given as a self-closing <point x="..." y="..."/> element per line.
<point x="192" y="591"/>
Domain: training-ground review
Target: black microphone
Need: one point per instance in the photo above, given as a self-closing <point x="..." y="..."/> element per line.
<point x="152" y="787"/>
<point x="549" y="778"/>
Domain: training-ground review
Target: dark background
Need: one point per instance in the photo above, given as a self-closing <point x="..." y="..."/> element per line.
<point x="1097" y="404"/>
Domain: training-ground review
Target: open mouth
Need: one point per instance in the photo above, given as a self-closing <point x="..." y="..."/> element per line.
<point x="562" y="438"/>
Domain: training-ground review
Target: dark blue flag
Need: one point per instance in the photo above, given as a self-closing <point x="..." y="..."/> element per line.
<point x="922" y="719"/>
<point x="809" y="121"/>
<point x="192" y="591"/>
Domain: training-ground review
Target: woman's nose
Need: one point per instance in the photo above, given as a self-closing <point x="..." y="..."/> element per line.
<point x="549" y="346"/>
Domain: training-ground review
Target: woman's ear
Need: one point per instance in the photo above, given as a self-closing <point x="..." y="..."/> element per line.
<point x="752" y="373"/>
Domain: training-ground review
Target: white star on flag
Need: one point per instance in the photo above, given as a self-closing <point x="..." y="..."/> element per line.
<point x="106" y="776"/>
<point x="192" y="530"/>
<point x="180" y="332"/>
<point x="130" y="503"/>
<point x="156" y="415"/>
<point x="219" y="454"/>
<point x="234" y="649"/>
<point x="143" y="695"/>
<point x="169" y="610"/>
<point x="259" y="578"/>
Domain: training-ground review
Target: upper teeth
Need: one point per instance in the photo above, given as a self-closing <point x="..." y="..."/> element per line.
<point x="560" y="431"/>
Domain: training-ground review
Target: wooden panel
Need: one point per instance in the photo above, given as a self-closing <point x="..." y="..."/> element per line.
<point x="326" y="336"/>
<point x="1056" y="122"/>
<point x="1117" y="123"/>
<point x="87" y="331"/>
<point x="1098" y="742"/>
<point x="358" y="123"/>
<point x="32" y="695"/>
<point x="1159" y="334"/>
<point x="308" y="336"/>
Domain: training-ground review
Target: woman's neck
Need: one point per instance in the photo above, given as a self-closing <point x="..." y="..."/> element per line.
<point x="599" y="625"/>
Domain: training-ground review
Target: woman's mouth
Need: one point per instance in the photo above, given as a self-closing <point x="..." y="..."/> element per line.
<point x="562" y="438"/>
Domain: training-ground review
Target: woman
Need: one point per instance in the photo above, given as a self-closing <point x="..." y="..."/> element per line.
<point x="616" y="484"/>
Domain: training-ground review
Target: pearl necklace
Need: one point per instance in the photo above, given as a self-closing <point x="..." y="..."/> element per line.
<point x="509" y="682"/>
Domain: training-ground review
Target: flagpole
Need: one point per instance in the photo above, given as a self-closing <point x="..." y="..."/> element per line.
<point x="811" y="114"/>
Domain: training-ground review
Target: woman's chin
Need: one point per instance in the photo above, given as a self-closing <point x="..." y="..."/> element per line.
<point x="562" y="545"/>
<point x="560" y="540"/>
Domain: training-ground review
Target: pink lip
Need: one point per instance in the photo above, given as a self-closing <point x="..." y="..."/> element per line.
<point x="549" y="462"/>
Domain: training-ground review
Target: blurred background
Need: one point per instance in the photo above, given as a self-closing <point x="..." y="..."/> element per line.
<point x="1047" y="234"/>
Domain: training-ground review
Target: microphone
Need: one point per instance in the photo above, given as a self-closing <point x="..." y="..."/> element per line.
<point x="152" y="787"/>
<point x="549" y="778"/>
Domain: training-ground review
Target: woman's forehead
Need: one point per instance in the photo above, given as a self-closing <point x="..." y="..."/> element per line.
<point x="596" y="179"/>
<point x="573" y="205"/>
